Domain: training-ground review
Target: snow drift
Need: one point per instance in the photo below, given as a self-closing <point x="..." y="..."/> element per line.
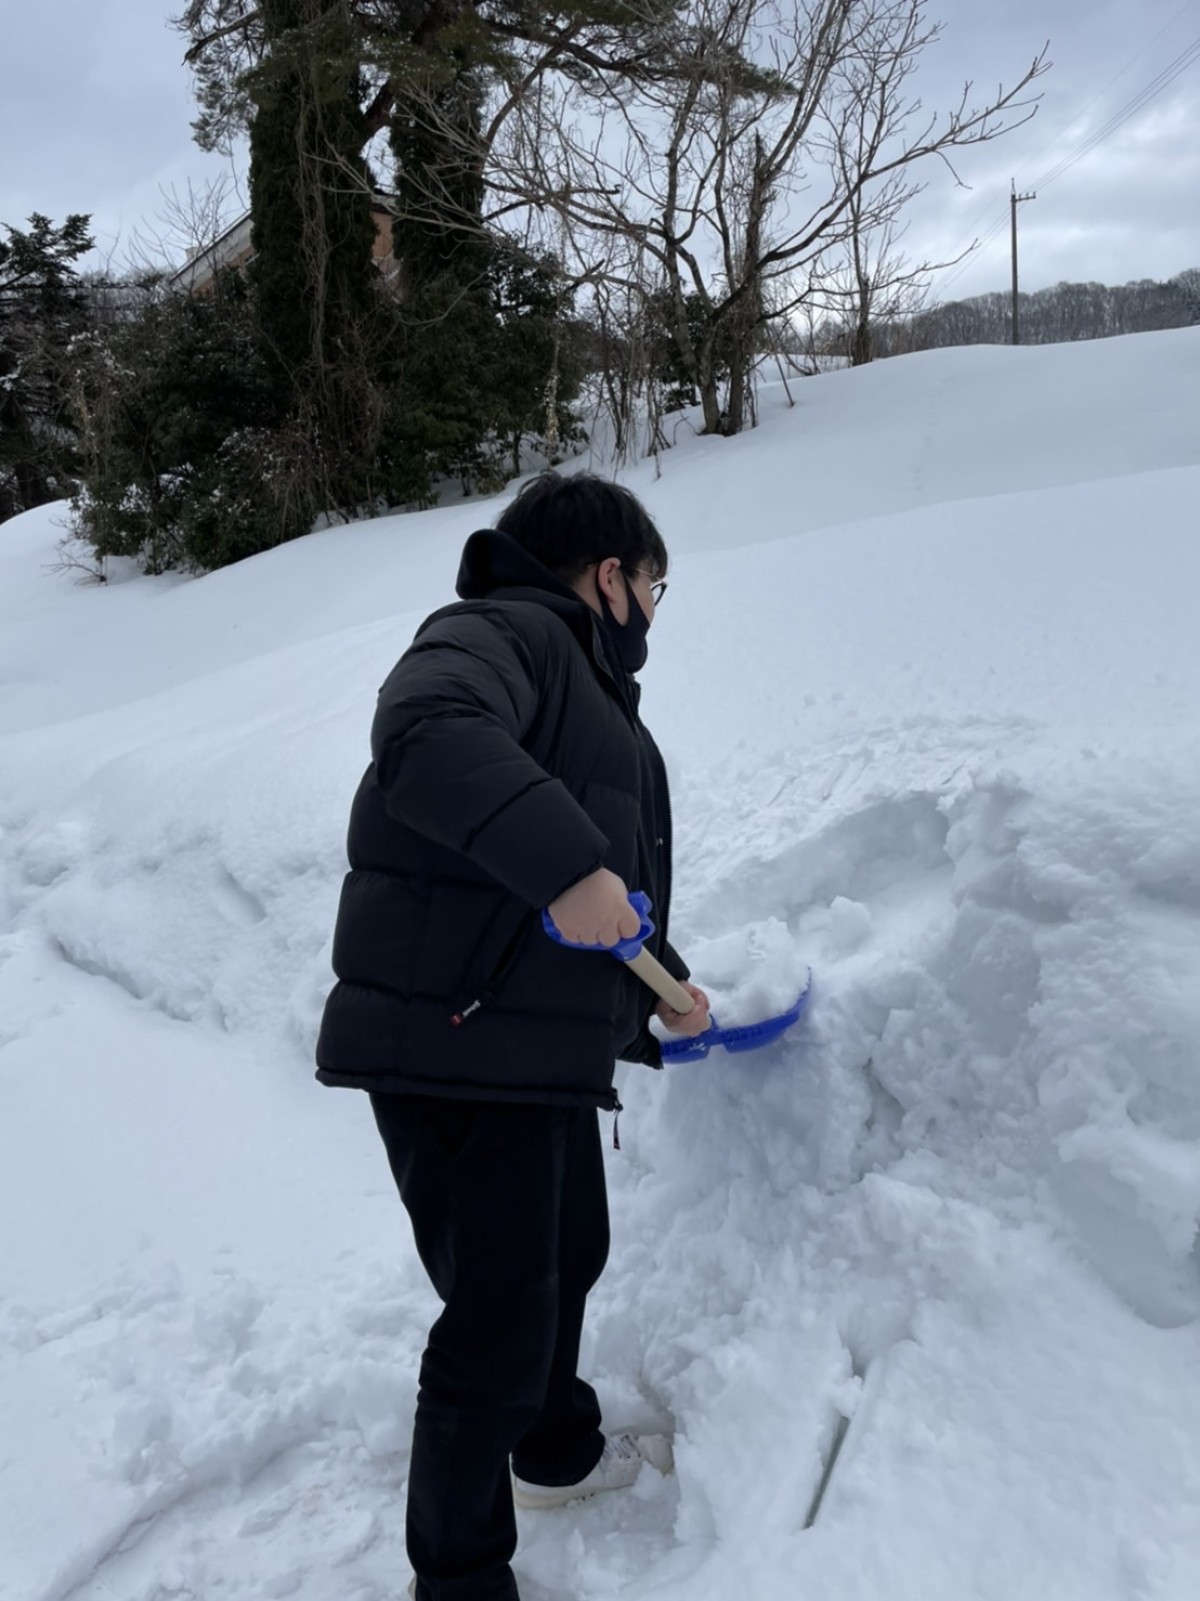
<point x="914" y="1291"/>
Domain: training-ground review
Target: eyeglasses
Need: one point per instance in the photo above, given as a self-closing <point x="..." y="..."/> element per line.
<point x="658" y="586"/>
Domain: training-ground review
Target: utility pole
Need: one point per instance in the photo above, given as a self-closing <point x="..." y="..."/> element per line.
<point x="1016" y="201"/>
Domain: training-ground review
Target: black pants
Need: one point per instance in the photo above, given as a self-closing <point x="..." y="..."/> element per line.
<point x="510" y="1217"/>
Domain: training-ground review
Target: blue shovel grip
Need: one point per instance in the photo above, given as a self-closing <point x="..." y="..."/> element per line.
<point x="738" y="1038"/>
<point x="628" y="948"/>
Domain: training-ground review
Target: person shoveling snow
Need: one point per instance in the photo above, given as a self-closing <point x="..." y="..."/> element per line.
<point x="511" y="775"/>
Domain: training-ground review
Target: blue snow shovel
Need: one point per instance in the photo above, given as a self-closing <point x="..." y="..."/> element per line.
<point x="749" y="1037"/>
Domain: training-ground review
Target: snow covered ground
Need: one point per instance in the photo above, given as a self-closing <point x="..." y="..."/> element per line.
<point x="928" y="679"/>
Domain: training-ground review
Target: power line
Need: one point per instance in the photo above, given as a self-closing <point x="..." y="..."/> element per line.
<point x="1162" y="80"/>
<point x="1131" y="107"/>
<point x="989" y="209"/>
<point x="1116" y="78"/>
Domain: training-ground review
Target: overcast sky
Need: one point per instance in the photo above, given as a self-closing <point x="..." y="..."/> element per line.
<point x="95" y="113"/>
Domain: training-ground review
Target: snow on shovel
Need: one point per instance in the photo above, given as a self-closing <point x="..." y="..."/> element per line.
<point x="748" y="1037"/>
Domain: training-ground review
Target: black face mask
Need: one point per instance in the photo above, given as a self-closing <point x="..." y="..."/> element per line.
<point x="626" y="641"/>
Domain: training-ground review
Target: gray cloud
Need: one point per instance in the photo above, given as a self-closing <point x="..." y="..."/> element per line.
<point x="1127" y="210"/>
<point x="95" y="114"/>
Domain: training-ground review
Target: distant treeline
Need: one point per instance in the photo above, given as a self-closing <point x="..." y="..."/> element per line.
<point x="1049" y="316"/>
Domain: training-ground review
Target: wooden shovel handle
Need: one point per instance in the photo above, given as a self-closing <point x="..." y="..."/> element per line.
<point x="652" y="972"/>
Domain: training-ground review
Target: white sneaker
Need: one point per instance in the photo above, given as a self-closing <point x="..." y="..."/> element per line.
<point x="530" y="1589"/>
<point x="619" y="1465"/>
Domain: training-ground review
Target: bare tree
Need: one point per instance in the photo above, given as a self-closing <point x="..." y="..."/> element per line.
<point x="628" y="358"/>
<point x="706" y="164"/>
<point x="1065" y="311"/>
<point x="776" y="136"/>
<point x="189" y="224"/>
<point x="872" y="287"/>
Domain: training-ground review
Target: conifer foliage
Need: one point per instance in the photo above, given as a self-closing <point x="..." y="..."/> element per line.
<point x="189" y="454"/>
<point x="320" y="309"/>
<point x="42" y="311"/>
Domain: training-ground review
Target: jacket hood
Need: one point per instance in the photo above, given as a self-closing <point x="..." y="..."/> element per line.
<point x="493" y="560"/>
<point x="494" y="565"/>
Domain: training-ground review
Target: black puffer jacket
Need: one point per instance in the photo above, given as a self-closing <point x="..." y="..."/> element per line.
<point x="509" y="762"/>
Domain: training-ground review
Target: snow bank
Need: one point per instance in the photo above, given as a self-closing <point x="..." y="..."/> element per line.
<point x="914" y="1290"/>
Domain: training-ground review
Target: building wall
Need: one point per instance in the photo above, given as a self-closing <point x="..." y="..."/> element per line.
<point x="233" y="249"/>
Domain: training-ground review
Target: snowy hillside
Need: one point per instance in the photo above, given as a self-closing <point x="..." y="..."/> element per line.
<point x="927" y="679"/>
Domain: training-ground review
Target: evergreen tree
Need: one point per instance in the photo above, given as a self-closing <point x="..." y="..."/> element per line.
<point x="489" y="359"/>
<point x="188" y="458"/>
<point x="670" y="370"/>
<point x="537" y="365"/>
<point x="438" y="399"/>
<point x="43" y="307"/>
<point x="316" y="288"/>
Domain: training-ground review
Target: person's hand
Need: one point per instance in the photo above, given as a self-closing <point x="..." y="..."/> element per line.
<point x="690" y="1024"/>
<point x="596" y="911"/>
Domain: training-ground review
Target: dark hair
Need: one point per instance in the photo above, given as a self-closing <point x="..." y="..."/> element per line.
<point x="568" y="521"/>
